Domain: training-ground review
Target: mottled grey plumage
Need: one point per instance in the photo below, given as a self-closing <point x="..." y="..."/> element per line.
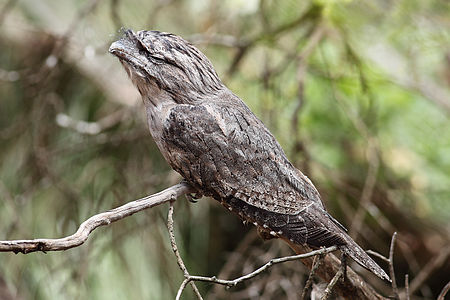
<point x="209" y="136"/>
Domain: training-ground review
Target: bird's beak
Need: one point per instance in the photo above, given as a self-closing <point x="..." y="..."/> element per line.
<point x="123" y="46"/>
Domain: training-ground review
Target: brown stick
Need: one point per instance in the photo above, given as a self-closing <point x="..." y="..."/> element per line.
<point x="102" y="219"/>
<point x="234" y="282"/>
<point x="173" y="243"/>
<point x="332" y="283"/>
<point x="316" y="263"/>
<point x="354" y="287"/>
<point x="444" y="291"/>
<point x="391" y="266"/>
<point x="428" y="269"/>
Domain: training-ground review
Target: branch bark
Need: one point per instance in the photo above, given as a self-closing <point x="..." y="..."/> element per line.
<point x="177" y="253"/>
<point x="353" y="287"/>
<point x="102" y="219"/>
<point x="234" y="282"/>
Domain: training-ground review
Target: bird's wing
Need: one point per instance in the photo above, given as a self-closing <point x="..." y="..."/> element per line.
<point x="225" y="151"/>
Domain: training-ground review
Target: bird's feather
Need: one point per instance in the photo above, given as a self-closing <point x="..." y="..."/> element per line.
<point x="208" y="135"/>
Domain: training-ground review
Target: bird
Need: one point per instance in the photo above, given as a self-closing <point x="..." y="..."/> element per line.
<point x="209" y="135"/>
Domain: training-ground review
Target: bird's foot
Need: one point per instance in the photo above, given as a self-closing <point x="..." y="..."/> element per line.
<point x="193" y="197"/>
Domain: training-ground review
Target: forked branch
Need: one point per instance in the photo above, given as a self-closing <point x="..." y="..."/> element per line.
<point x="270" y="263"/>
<point x="327" y="270"/>
<point x="102" y="219"/>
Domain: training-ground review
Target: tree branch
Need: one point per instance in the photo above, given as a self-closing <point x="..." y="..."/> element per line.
<point x="429" y="268"/>
<point x="270" y="263"/>
<point x="102" y="219"/>
<point x="309" y="281"/>
<point x="333" y="282"/>
<point x="391" y="266"/>
<point x="177" y="253"/>
<point x="353" y="287"/>
<point x="444" y="291"/>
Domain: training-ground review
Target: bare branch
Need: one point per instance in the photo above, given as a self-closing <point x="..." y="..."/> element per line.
<point x="234" y="282"/>
<point x="333" y="282"/>
<point x="353" y="287"/>
<point x="177" y="253"/>
<point x="312" y="13"/>
<point x="429" y="268"/>
<point x="91" y="128"/>
<point x="182" y="287"/>
<point x="444" y="291"/>
<point x="102" y="219"/>
<point x="381" y="256"/>
<point x="407" y="287"/>
<point x="316" y="264"/>
<point x="106" y="218"/>
<point x="391" y="267"/>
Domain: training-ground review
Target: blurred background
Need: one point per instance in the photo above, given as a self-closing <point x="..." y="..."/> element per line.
<point x="357" y="94"/>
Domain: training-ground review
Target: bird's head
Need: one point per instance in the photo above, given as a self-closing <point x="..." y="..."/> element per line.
<point x="164" y="61"/>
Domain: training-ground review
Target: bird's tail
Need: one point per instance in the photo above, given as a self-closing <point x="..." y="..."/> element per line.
<point x="353" y="250"/>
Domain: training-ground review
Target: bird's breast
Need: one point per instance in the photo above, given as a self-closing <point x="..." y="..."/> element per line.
<point x="157" y="113"/>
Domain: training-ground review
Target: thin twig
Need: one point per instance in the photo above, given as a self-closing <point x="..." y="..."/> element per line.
<point x="91" y="128"/>
<point x="173" y="243"/>
<point x="374" y="253"/>
<point x="182" y="287"/>
<point x="333" y="282"/>
<point x="102" y="219"/>
<point x="391" y="267"/>
<point x="234" y="282"/>
<point x="316" y="264"/>
<point x="426" y="271"/>
<point x="313" y="12"/>
<point x="407" y="287"/>
<point x="444" y="291"/>
<point x="354" y="287"/>
<point x="415" y="268"/>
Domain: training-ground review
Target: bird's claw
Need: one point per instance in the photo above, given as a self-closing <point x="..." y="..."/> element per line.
<point x="194" y="197"/>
